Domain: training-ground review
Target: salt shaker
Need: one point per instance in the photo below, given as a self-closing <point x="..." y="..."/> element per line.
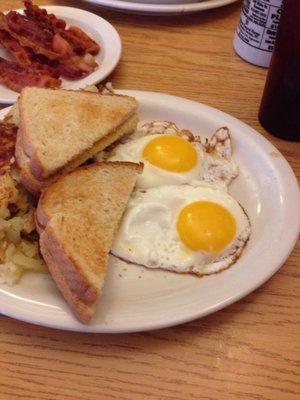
<point x="256" y="33"/>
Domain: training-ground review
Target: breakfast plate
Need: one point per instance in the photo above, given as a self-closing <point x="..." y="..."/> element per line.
<point x="138" y="299"/>
<point x="156" y="7"/>
<point x="100" y="30"/>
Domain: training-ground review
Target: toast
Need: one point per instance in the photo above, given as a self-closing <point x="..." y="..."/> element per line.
<point x="60" y="129"/>
<point x="77" y="217"/>
<point x="35" y="186"/>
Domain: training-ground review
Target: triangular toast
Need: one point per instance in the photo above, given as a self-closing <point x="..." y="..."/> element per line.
<point x="77" y="217"/>
<point x="60" y="129"/>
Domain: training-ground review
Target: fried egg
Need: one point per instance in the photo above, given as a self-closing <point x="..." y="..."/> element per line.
<point x="182" y="228"/>
<point x="172" y="156"/>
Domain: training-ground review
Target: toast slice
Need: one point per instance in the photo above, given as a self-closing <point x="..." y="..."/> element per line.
<point x="61" y="129"/>
<point x="77" y="217"/>
<point x="35" y="186"/>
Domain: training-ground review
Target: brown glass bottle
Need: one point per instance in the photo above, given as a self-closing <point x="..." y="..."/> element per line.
<point x="279" y="111"/>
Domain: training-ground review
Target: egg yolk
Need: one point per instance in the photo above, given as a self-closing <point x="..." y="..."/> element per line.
<point x="171" y="153"/>
<point x="206" y="226"/>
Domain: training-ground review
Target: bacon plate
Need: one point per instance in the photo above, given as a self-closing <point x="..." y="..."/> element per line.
<point x="43" y="49"/>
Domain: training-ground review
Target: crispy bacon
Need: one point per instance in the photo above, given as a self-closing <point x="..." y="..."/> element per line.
<point x="79" y="40"/>
<point x="43" y="48"/>
<point x="17" y="77"/>
<point x="77" y="67"/>
<point x="28" y="34"/>
<point x="40" y="16"/>
<point x="26" y="57"/>
<point x="23" y="55"/>
<point x="61" y="46"/>
<point x="70" y="68"/>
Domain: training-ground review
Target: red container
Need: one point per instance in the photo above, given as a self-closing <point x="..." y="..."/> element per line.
<point x="280" y="107"/>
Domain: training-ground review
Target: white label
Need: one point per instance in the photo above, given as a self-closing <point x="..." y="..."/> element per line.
<point x="259" y="22"/>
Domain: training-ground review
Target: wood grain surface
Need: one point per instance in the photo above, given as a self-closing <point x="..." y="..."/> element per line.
<point x="248" y="351"/>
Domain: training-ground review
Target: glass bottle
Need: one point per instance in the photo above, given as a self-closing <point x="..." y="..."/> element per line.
<point x="279" y="111"/>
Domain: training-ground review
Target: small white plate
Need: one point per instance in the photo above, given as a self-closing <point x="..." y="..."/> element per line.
<point x="137" y="299"/>
<point x="144" y="7"/>
<point x="100" y="30"/>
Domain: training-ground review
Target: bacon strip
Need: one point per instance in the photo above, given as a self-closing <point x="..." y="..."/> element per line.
<point x="28" y="34"/>
<point x="23" y="55"/>
<point x="42" y="18"/>
<point x="17" y="77"/>
<point x="77" y="67"/>
<point x="79" y="40"/>
<point x="71" y="68"/>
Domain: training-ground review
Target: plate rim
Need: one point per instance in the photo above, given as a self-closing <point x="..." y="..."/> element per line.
<point x="64" y="12"/>
<point x="168" y="9"/>
<point x="291" y="185"/>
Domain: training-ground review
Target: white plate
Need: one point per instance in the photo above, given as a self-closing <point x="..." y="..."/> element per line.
<point x="100" y="30"/>
<point x="137" y="299"/>
<point x="160" y="9"/>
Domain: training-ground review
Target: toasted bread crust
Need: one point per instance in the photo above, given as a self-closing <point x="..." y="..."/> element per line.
<point x="29" y="147"/>
<point x="76" y="282"/>
<point x="32" y="184"/>
<point x="21" y="156"/>
<point x="36" y="167"/>
<point x="82" y="310"/>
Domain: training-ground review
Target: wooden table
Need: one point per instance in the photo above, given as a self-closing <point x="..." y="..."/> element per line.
<point x="250" y="350"/>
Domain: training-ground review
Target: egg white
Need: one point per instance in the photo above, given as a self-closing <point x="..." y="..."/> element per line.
<point x="148" y="234"/>
<point x="210" y="167"/>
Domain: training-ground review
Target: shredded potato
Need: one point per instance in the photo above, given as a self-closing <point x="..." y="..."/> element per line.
<point x="17" y="254"/>
<point x="31" y="264"/>
<point x="19" y="258"/>
<point x="10" y="273"/>
<point x="29" y="249"/>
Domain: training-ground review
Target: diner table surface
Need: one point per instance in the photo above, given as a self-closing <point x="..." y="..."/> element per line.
<point x="247" y="351"/>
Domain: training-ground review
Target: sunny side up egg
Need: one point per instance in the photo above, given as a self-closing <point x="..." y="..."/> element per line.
<point x="182" y="228"/>
<point x="171" y="159"/>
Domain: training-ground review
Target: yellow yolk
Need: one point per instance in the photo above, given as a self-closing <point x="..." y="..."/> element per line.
<point x="206" y="226"/>
<point x="171" y="153"/>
